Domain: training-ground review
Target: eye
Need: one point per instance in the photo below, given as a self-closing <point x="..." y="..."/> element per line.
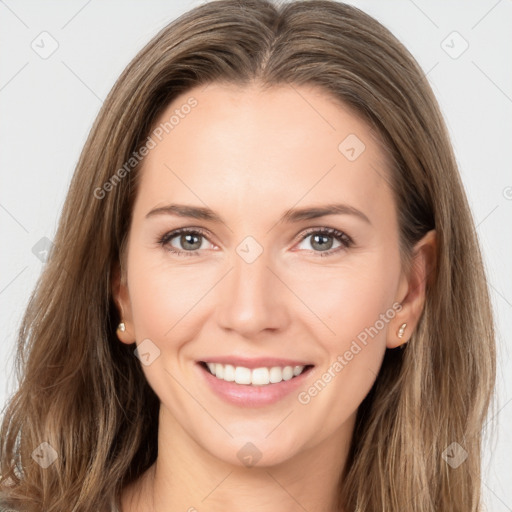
<point x="191" y="240"/>
<point x="322" y="239"/>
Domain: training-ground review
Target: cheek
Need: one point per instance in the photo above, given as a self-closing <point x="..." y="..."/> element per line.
<point x="357" y="306"/>
<point x="349" y="300"/>
<point x="163" y="296"/>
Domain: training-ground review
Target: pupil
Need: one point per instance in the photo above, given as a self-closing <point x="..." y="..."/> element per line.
<point x="322" y="246"/>
<point x="185" y="239"/>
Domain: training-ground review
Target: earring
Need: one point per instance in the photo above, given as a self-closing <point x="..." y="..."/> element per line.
<point x="122" y="327"/>
<point x="400" y="332"/>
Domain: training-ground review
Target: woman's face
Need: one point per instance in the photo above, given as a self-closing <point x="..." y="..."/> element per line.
<point x="275" y="282"/>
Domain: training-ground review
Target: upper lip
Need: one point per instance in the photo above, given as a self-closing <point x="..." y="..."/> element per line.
<point x="257" y="362"/>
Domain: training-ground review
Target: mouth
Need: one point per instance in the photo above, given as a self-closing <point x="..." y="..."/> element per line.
<point x="261" y="376"/>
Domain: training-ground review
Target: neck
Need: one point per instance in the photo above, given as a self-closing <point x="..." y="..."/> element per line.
<point x="185" y="477"/>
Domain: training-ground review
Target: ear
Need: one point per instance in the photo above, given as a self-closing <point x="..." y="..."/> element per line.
<point x="121" y="297"/>
<point x="412" y="290"/>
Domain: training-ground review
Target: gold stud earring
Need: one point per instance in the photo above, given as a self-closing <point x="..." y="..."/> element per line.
<point x="122" y="327"/>
<point x="401" y="330"/>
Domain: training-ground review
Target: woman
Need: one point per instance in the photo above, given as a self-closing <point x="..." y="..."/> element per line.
<point x="266" y="289"/>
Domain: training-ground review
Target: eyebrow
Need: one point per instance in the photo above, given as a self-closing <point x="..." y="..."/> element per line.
<point x="292" y="215"/>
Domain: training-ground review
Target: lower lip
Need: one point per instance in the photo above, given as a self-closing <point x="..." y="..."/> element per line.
<point x="245" y="395"/>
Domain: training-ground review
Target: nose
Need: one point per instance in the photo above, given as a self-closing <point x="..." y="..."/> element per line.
<point x="252" y="298"/>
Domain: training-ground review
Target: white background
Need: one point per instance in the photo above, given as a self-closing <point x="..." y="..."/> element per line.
<point x="47" y="107"/>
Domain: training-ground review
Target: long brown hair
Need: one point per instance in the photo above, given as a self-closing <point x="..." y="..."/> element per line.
<point x="84" y="393"/>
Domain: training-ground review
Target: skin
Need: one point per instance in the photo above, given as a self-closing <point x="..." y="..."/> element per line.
<point x="250" y="156"/>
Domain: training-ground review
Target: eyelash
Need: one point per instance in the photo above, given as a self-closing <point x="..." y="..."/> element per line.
<point x="345" y="240"/>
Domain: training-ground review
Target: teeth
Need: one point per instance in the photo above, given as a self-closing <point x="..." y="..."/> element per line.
<point x="229" y="373"/>
<point x="257" y="376"/>
<point x="242" y="375"/>
<point x="260" y="376"/>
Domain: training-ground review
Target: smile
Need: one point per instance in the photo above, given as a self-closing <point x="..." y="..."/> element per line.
<point x="254" y="377"/>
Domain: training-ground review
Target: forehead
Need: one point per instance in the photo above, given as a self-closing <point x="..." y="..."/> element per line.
<point x="263" y="147"/>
